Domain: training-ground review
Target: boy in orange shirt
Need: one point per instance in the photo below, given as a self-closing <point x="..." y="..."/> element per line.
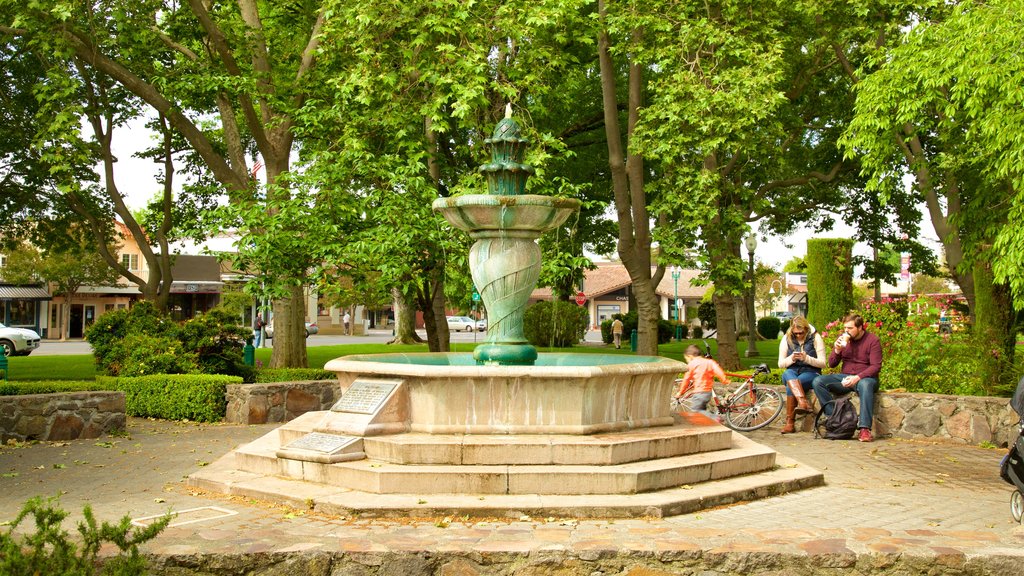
<point x="698" y="381"/>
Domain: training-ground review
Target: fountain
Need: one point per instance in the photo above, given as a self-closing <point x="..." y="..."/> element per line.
<point x="504" y="431"/>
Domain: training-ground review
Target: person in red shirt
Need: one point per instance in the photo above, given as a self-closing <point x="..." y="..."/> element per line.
<point x="860" y="352"/>
<point x="699" y="380"/>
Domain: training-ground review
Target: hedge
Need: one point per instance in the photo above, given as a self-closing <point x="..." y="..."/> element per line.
<point x="270" y="375"/>
<point x="48" y="387"/>
<point x="196" y="397"/>
<point x="829" y="279"/>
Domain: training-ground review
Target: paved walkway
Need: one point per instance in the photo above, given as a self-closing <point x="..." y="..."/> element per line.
<point x="885" y="505"/>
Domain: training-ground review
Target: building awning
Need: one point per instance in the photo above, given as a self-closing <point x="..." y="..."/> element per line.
<point x="23" y="293"/>
<point x="196" y="287"/>
<point x="110" y="290"/>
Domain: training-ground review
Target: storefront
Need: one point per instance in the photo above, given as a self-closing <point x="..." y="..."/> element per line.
<point x="24" y="307"/>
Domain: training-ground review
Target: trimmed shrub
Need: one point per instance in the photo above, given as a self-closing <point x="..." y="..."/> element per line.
<point x="706" y="313"/>
<point x="143" y="354"/>
<point x="556" y="324"/>
<point x="784" y="326"/>
<point x="197" y="397"/>
<point x="47" y="387"/>
<point x="666" y="330"/>
<point x="107" y="334"/>
<point x="768" y="327"/>
<point x="830" y="279"/>
<point x="696" y="332"/>
<point x="269" y="375"/>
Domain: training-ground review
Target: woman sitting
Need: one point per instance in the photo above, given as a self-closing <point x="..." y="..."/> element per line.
<point x="801" y="356"/>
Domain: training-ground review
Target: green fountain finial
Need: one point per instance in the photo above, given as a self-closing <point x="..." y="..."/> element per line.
<point x="506" y="174"/>
<point x="505" y="257"/>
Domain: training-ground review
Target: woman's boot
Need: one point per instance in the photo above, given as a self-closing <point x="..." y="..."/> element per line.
<point x="790" y="426"/>
<point x="802" y="407"/>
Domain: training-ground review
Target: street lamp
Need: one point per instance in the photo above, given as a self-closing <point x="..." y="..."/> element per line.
<point x="771" y="291"/>
<point x="676" y="272"/>
<point x="751" y="243"/>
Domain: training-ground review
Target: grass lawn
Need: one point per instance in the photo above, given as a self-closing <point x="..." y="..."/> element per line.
<point x="82" y="367"/>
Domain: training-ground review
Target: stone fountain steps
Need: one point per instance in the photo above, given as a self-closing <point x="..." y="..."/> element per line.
<point x="540" y="449"/>
<point x="379" y="477"/>
<point x="227" y="476"/>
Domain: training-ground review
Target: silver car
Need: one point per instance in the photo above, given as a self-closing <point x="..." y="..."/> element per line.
<point x="461" y="324"/>
<point x="18" y="341"/>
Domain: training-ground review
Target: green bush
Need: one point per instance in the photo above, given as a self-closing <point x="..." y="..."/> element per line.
<point x="784" y="326"/>
<point x="666" y="330"/>
<point x="50" y="550"/>
<point x="107" y="334"/>
<point x="46" y="387"/>
<point x="696" y="332"/>
<point x="706" y="314"/>
<point x="217" y="340"/>
<point x="556" y="324"/>
<point x="142" y="354"/>
<point x="196" y="397"/>
<point x="768" y="327"/>
<point x="268" y="375"/>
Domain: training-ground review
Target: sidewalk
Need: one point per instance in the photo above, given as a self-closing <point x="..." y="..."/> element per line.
<point x="892" y="506"/>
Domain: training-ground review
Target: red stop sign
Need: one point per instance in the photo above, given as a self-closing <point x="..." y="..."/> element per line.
<point x="581" y="298"/>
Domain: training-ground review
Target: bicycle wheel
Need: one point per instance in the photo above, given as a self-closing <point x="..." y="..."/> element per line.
<point x="745" y="415"/>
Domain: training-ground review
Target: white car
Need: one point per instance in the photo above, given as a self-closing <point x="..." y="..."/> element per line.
<point x="481" y="324"/>
<point x="461" y="323"/>
<point x="18" y="341"/>
<point x="311" y="328"/>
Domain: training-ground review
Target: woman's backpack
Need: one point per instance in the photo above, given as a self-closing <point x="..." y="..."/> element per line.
<point x="842" y="423"/>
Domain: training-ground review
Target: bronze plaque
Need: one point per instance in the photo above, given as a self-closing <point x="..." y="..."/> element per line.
<point x="365" y="396"/>
<point x="320" y="442"/>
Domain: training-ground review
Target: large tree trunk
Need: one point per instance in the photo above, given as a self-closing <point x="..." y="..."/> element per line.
<point x="405" y="319"/>
<point x="993" y="330"/>
<point x="725" y="316"/>
<point x="627" y="172"/>
<point x="290" y="331"/>
<point x="430" y="298"/>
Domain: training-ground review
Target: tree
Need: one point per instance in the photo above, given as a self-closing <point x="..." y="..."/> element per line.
<point x="770" y="288"/>
<point x="795" y="265"/>
<point x="936" y="105"/>
<point x="246" y="65"/>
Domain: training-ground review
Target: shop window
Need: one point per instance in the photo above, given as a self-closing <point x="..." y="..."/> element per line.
<point x="23" y="313"/>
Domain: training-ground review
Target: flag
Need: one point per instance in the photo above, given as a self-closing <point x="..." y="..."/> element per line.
<point x="256" y="168"/>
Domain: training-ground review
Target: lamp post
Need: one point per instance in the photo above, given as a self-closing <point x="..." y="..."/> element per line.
<point x="751" y="243"/>
<point x="676" y="272"/>
<point x="771" y="291"/>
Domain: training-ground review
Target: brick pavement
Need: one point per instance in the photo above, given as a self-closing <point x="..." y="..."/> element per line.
<point x="890" y="507"/>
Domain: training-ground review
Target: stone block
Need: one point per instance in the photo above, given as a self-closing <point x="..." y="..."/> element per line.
<point x="258" y="411"/>
<point x="299" y="402"/>
<point x="66" y="427"/>
<point x="922" y="421"/>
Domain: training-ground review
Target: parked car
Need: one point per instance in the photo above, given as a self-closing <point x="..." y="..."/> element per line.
<point x="784" y="315"/>
<point x="481" y="324"/>
<point x="461" y="323"/>
<point x="311" y="328"/>
<point x="18" y="341"/>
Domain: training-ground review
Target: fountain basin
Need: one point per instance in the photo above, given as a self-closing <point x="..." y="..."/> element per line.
<point x="488" y="215"/>
<point x="563" y="393"/>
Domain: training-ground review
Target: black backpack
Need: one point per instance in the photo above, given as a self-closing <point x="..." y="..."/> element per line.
<point x="842" y="423"/>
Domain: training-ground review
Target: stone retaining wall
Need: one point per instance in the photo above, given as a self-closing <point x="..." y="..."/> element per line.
<point x="61" y="416"/>
<point x="279" y="401"/>
<point x="964" y="419"/>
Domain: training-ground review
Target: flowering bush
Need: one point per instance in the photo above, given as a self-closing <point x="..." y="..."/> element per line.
<point x="916" y="355"/>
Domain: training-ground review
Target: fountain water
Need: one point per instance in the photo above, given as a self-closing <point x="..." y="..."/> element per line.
<point x="553" y="434"/>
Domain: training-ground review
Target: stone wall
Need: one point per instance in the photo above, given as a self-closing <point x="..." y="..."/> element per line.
<point x="280" y="401"/>
<point x="60" y="416"/>
<point x="964" y="419"/>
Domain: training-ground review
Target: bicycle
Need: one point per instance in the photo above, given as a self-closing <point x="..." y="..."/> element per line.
<point x="748" y="407"/>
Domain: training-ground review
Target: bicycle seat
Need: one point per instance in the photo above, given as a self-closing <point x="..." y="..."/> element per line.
<point x="761" y="367"/>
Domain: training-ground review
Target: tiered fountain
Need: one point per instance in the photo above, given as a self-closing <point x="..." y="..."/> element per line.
<point x="504" y="430"/>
